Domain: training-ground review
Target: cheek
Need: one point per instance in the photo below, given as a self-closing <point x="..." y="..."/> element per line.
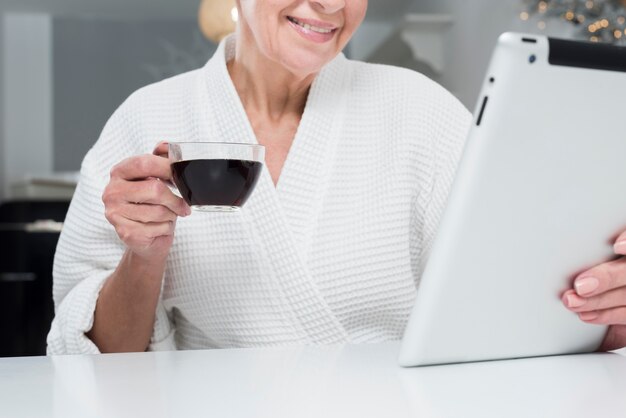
<point x="355" y="16"/>
<point x="262" y="17"/>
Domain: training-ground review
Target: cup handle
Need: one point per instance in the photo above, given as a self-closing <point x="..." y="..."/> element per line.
<point x="162" y="149"/>
<point x="170" y="185"/>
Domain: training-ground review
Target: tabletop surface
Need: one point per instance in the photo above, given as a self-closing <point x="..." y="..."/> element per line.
<point x="350" y="381"/>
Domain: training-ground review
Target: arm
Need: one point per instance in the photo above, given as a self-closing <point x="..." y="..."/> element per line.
<point x="91" y="258"/>
<point x="143" y="212"/>
<point x="126" y="306"/>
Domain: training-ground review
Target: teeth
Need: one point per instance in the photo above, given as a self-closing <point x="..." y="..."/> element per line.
<point x="310" y="27"/>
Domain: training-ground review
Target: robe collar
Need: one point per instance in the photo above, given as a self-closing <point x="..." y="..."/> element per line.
<point x="283" y="218"/>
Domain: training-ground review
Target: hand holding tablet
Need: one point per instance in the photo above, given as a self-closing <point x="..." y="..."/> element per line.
<point x="599" y="297"/>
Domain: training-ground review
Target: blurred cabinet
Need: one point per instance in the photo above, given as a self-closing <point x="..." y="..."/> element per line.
<point x="416" y="41"/>
<point x="424" y="34"/>
<point x="29" y="231"/>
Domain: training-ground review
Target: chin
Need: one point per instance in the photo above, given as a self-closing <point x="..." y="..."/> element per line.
<point x="304" y="63"/>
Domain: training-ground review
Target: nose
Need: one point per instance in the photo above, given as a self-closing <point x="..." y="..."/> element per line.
<point x="328" y="6"/>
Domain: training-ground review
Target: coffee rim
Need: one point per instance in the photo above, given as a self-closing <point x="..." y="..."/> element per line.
<point x="217" y="143"/>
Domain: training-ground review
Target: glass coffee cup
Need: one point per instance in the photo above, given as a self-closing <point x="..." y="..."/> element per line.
<point x="215" y="176"/>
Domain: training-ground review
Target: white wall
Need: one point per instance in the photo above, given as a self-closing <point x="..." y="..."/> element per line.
<point x="27" y="107"/>
<point x="380" y="21"/>
<point x="370" y="35"/>
<point x="98" y="63"/>
<point x="62" y="77"/>
<point x="471" y="38"/>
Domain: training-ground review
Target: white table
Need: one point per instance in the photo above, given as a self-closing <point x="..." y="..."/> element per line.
<point x="352" y="381"/>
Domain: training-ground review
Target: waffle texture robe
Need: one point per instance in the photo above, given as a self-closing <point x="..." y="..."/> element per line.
<point x="331" y="254"/>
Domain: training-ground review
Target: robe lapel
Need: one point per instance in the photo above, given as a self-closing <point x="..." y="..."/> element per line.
<point x="304" y="178"/>
<point x="280" y="218"/>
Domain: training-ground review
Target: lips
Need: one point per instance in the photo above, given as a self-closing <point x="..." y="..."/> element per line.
<point x="319" y="27"/>
<point x="313" y="30"/>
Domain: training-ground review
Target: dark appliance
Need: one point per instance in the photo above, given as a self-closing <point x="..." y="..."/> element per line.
<point x="29" y="231"/>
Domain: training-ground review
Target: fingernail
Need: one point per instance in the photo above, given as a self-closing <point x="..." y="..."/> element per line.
<point x="586" y="285"/>
<point x="588" y="316"/>
<point x="620" y="246"/>
<point x="574" y="301"/>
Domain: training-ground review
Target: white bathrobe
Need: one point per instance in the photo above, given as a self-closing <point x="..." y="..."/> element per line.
<point x="332" y="254"/>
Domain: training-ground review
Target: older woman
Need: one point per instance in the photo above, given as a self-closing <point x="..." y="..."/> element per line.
<point x="329" y="248"/>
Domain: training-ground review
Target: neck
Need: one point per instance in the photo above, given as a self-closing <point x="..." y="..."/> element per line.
<point x="266" y="87"/>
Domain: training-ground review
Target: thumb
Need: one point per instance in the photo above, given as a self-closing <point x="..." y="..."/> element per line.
<point x="161" y="149"/>
<point x="614" y="339"/>
<point x="620" y="244"/>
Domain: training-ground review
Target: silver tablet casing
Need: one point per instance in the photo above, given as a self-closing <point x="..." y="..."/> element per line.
<point x="539" y="196"/>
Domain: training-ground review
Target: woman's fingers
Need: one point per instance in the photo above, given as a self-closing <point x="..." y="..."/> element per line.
<point x="601" y="278"/>
<point x="162" y="149"/>
<point x="599" y="294"/>
<point x="613" y="316"/>
<point x="146" y="213"/>
<point x="620" y="244"/>
<point x="139" y="234"/>
<point x="155" y="192"/>
<point x="140" y="206"/>
<point x="615" y="338"/>
<point x="612" y="299"/>
<point x="142" y="179"/>
<point x="151" y="191"/>
<point x="141" y="167"/>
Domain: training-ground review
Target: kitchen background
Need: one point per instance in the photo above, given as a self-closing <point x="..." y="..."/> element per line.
<point x="65" y="65"/>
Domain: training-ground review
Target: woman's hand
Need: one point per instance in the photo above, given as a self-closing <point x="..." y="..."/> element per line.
<point x="599" y="297"/>
<point x="141" y="207"/>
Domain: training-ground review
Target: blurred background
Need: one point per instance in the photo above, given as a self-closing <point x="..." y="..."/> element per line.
<point x="65" y="65"/>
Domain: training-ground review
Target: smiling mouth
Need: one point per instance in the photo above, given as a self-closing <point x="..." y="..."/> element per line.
<point x="310" y="27"/>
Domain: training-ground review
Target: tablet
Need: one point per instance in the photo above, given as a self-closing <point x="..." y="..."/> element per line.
<point x="539" y="196"/>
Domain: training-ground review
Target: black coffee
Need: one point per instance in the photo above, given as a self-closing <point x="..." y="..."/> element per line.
<point x="216" y="182"/>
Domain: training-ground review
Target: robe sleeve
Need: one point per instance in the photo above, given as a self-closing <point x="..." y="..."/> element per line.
<point x="89" y="249"/>
<point x="451" y="124"/>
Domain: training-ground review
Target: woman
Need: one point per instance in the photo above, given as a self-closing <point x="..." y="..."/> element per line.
<point x="329" y="248"/>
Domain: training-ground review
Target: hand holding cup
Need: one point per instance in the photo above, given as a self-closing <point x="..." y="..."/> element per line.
<point x="140" y="205"/>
